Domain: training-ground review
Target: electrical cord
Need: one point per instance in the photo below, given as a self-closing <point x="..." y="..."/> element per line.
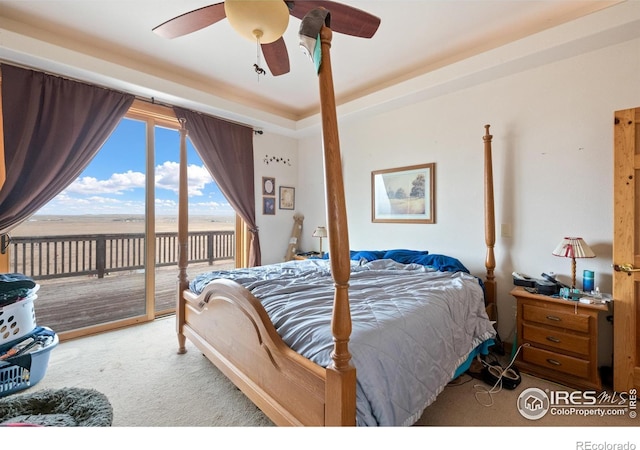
<point x="499" y="373"/>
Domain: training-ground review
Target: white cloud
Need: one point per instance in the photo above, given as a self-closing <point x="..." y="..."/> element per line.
<point x="168" y="177"/>
<point x="89" y="195"/>
<point x="211" y="206"/>
<point x="166" y="203"/>
<point x="96" y="204"/>
<point x="116" y="184"/>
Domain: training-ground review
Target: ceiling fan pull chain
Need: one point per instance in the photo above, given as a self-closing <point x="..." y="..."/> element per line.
<point x="259" y="70"/>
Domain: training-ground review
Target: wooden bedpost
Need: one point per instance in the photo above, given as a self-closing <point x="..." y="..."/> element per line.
<point x="490" y="227"/>
<point x="183" y="233"/>
<point x="340" y="392"/>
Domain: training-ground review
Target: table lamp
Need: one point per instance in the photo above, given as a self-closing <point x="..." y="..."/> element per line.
<point x="573" y="247"/>
<point x="320" y="232"/>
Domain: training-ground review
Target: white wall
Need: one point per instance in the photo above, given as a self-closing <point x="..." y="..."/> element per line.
<point x="552" y="124"/>
<point x="552" y="130"/>
<point x="276" y="157"/>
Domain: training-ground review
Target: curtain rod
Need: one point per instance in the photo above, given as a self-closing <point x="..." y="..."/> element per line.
<point x="57" y="75"/>
<point x="151" y="100"/>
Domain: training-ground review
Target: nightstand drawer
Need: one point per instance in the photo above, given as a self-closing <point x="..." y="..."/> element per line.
<point x="556" y="339"/>
<point x="555" y="361"/>
<point x="556" y="318"/>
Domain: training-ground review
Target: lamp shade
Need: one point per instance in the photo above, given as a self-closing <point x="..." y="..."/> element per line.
<point x="266" y="20"/>
<point x="574" y="247"/>
<point x="320" y="232"/>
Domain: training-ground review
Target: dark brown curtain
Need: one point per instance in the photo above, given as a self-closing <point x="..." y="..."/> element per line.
<point x="227" y="151"/>
<point x="53" y="127"/>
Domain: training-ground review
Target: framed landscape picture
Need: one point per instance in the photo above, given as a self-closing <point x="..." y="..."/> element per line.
<point x="404" y="194"/>
<point x="287" y="197"/>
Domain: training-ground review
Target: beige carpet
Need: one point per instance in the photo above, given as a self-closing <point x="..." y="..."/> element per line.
<point x="150" y="385"/>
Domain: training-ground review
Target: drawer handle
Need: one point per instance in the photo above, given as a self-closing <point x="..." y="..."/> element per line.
<point x="553" y="339"/>
<point x="553" y="362"/>
<point x="554" y="318"/>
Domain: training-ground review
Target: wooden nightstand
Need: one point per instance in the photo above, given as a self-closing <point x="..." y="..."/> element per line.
<point x="562" y="338"/>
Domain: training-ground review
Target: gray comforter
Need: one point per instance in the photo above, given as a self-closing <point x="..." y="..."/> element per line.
<point x="413" y="326"/>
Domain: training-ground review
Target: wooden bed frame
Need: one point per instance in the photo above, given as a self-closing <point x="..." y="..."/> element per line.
<point x="230" y="326"/>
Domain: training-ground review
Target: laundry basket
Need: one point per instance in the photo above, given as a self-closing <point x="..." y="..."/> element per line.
<point x="17" y="319"/>
<point x="26" y="369"/>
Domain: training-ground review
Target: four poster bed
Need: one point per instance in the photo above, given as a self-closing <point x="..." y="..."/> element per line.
<point x="408" y="321"/>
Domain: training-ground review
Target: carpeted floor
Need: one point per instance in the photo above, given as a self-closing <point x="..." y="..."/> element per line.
<point x="150" y="385"/>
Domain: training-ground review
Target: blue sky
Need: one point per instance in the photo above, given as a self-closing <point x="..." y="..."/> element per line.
<point x="114" y="181"/>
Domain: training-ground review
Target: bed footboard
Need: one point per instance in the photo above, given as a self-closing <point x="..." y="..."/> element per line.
<point x="287" y="387"/>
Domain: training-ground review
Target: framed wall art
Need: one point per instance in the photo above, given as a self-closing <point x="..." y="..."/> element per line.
<point x="404" y="194"/>
<point x="269" y="206"/>
<point x="287" y="197"/>
<point x="268" y="186"/>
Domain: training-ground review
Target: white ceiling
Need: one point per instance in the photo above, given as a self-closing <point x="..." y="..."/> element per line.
<point x="414" y="38"/>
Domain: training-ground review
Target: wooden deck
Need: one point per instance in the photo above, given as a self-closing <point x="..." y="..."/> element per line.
<point x="74" y="303"/>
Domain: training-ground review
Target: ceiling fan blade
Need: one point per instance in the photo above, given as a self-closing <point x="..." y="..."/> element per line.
<point x="191" y="21"/>
<point x="276" y="56"/>
<point x="344" y="19"/>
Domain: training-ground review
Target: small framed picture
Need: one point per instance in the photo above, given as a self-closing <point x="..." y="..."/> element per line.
<point x="269" y="206"/>
<point x="287" y="197"/>
<point x="268" y="186"/>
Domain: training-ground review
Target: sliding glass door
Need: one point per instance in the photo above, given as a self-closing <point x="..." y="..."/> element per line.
<point x="86" y="247"/>
<point x="211" y="218"/>
<point x="105" y="250"/>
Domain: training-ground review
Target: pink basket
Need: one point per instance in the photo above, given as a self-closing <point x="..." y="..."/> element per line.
<point x="17" y="319"/>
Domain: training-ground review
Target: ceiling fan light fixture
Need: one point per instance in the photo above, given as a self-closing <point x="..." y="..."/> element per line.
<point x="252" y="17"/>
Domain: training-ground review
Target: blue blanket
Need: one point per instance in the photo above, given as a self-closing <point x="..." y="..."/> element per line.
<point x="423" y="257"/>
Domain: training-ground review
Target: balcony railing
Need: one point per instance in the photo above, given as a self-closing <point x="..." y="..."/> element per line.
<point x="47" y="257"/>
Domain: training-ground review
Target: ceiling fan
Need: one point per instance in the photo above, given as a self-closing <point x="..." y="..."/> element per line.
<point x="264" y="22"/>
